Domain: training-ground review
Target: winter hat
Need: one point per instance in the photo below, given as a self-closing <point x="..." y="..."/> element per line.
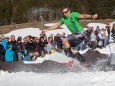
<point x="19" y="38"/>
<point x="7" y="37"/>
<point x="2" y="36"/>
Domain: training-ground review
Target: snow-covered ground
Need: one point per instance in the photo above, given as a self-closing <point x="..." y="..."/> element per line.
<point x="36" y="32"/>
<point x="66" y="79"/>
<point x="98" y="78"/>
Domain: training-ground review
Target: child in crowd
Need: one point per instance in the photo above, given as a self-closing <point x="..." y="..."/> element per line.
<point x="9" y="55"/>
<point x="29" y="57"/>
<point x="36" y="55"/>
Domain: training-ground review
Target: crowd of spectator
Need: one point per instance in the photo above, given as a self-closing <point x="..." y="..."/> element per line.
<point x="30" y="48"/>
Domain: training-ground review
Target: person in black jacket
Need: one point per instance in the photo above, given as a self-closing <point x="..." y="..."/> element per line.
<point x="113" y="32"/>
<point x="30" y="45"/>
<point x="108" y="28"/>
<point x="36" y="44"/>
<point x="2" y="51"/>
<point x="59" y="41"/>
<point x="19" y="48"/>
<point x="14" y="47"/>
<point x="41" y="46"/>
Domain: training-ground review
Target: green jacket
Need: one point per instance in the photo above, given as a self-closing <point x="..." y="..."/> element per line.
<point x="72" y="22"/>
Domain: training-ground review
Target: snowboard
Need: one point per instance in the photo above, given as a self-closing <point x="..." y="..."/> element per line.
<point x="76" y="55"/>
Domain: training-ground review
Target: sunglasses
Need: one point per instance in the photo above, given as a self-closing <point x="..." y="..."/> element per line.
<point x="66" y="11"/>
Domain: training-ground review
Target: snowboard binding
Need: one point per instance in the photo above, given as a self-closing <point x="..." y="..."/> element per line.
<point x="75" y="55"/>
<point x="79" y="57"/>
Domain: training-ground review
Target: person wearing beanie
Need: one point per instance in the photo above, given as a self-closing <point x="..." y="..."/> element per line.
<point x="9" y="55"/>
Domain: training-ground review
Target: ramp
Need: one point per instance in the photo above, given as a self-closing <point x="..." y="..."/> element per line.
<point x="56" y="57"/>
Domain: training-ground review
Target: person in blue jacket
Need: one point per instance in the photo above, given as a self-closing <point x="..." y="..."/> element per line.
<point x="9" y="55"/>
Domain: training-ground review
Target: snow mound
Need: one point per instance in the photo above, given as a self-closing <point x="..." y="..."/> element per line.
<point x="25" y="32"/>
<point x="57" y="57"/>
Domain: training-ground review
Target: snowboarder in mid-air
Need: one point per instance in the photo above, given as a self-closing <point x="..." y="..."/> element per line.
<point x="71" y="20"/>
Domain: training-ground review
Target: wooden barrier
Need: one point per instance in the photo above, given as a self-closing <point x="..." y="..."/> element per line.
<point x="7" y="28"/>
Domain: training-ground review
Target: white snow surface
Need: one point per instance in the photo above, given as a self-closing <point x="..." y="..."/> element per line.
<point x="58" y="57"/>
<point x="101" y="25"/>
<point x="98" y="78"/>
<point x="65" y="79"/>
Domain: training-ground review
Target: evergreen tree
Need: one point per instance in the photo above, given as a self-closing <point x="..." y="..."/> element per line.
<point x="19" y="11"/>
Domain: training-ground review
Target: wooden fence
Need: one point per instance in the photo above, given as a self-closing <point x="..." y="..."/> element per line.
<point x="7" y="28"/>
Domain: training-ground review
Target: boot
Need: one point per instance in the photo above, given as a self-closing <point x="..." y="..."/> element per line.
<point x="79" y="57"/>
<point x="68" y="52"/>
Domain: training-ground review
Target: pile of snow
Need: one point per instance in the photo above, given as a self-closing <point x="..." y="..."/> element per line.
<point x="111" y="24"/>
<point x="101" y="25"/>
<point x="58" y="57"/>
<point x="36" y="32"/>
<point x="49" y="24"/>
<point x="58" y="30"/>
<point x="108" y="50"/>
<point x="25" y="32"/>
